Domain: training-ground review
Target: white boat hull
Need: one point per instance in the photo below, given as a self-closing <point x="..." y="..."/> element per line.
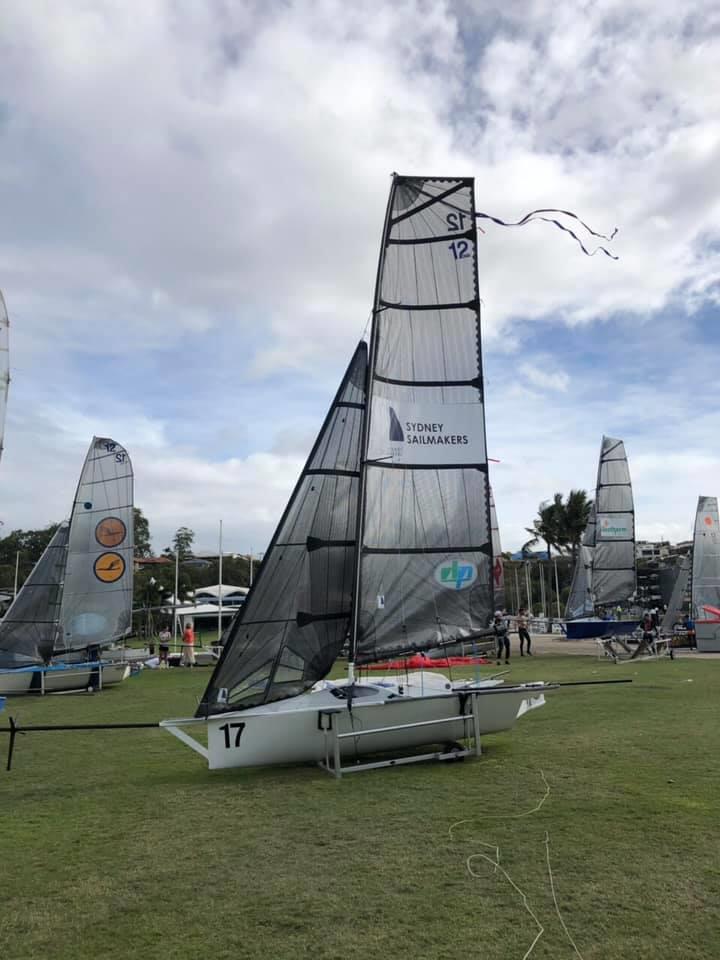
<point x="300" y="729"/>
<point x="61" y="678"/>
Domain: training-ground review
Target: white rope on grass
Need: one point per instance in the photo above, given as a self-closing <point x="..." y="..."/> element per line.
<point x="496" y="863"/>
<point x="557" y="907"/>
<point x="509" y="816"/>
<point x="523" y="895"/>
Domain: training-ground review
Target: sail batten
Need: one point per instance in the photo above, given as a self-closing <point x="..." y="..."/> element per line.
<point x="295" y="618"/>
<point x="425" y="559"/>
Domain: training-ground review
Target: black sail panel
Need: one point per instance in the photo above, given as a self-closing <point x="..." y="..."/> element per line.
<point x="28" y="629"/>
<point x="295" y="619"/>
<point x="425" y="574"/>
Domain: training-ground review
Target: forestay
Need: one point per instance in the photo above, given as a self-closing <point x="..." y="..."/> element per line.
<point x="706" y="560"/>
<point x="424" y="575"/>
<point x="295" y="619"/>
<point x="613" y="572"/>
<point x="97" y="595"/>
<point x="29" y="628"/>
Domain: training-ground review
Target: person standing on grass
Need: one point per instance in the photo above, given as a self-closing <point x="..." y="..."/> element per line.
<point x="500" y="630"/>
<point x="523" y="631"/>
<point x="188" y="646"/>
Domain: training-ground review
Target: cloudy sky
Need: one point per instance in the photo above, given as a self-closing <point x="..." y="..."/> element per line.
<point x="191" y="199"/>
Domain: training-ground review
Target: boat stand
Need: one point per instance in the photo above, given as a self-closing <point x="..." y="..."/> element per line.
<point x="334" y="739"/>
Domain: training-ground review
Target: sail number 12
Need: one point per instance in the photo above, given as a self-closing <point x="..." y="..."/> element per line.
<point x="238" y="728"/>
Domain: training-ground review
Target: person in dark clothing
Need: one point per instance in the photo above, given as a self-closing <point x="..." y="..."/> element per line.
<point x="501" y="636"/>
<point x="523" y="632"/>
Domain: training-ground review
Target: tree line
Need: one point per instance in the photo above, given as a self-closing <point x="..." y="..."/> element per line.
<point x="559" y="525"/>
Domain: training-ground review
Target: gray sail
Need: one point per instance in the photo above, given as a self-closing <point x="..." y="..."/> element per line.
<point x="425" y="565"/>
<point x="613" y="570"/>
<point x="580" y="603"/>
<point x="677" y="597"/>
<point x="706" y="560"/>
<point x="497" y="566"/>
<point x="29" y="628"/>
<point x="97" y="595"/>
<point x="4" y="367"/>
<point x="294" y="622"/>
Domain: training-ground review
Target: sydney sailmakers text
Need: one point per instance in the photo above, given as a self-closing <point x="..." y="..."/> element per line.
<point x="425" y="434"/>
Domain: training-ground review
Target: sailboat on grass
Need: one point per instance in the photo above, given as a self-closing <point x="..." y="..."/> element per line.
<point x="78" y="597"/>
<point x="604" y="576"/>
<point x="387" y="535"/>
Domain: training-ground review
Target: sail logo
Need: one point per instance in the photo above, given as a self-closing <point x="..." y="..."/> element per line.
<point x="396" y="430"/>
<point x="457" y="575"/>
<point x="613" y="529"/>
<point x="708" y="521"/>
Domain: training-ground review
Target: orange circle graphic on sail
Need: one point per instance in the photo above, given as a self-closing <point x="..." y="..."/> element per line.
<point x="110" y="532"/>
<point x="109" y="567"/>
<point x="708" y="521"/>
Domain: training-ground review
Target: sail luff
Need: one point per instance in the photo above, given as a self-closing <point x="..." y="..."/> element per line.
<point x="294" y="620"/>
<point x="425" y="539"/>
<point x="579" y="602"/>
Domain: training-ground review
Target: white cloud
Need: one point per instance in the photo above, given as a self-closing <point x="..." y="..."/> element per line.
<point x="191" y="179"/>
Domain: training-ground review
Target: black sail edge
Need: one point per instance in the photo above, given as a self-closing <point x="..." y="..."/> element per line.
<point x="29" y="628"/>
<point x="425" y="413"/>
<point x="295" y="619"/>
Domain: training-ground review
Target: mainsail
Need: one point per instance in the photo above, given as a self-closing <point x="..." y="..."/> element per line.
<point x="580" y="602"/>
<point x="706" y="560"/>
<point x="29" y="628"/>
<point x="497" y="568"/>
<point x="424" y="575"/>
<point x="97" y="595"/>
<point x="4" y="367"/>
<point x="295" y="619"/>
<point x="613" y="563"/>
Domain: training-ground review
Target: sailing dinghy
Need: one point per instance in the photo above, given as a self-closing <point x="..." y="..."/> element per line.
<point x="604" y="575"/>
<point x="705" y="576"/>
<point x="78" y="597"/>
<point x="387" y="535"/>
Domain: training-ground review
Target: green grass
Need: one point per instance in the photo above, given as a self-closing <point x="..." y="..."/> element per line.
<point x="122" y="845"/>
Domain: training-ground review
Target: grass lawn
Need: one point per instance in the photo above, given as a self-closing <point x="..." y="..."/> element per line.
<point x="120" y="844"/>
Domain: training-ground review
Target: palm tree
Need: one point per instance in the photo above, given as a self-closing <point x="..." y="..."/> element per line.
<point x="548" y="525"/>
<point x="574" y="517"/>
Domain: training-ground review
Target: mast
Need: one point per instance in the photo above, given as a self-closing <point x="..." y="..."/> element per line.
<point x="362" y="493"/>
